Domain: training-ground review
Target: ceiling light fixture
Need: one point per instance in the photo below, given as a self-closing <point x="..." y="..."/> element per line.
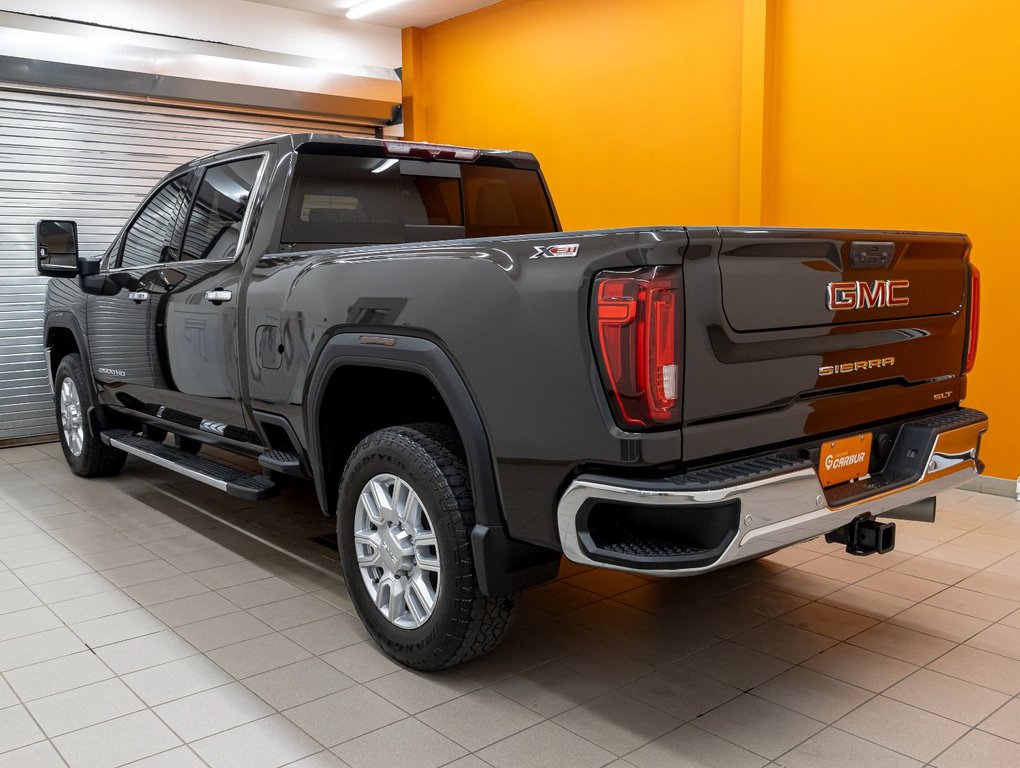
<point x="385" y="165"/>
<point x="369" y="6"/>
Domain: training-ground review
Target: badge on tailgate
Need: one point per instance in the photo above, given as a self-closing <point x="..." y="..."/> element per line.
<point x="845" y="459"/>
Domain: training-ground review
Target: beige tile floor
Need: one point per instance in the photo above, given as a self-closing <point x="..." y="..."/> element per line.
<point x="150" y="621"/>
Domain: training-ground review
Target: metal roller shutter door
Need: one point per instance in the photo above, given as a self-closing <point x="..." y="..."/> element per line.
<point x="91" y="160"/>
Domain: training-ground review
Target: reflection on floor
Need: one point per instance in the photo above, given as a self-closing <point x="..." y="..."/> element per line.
<point x="149" y="618"/>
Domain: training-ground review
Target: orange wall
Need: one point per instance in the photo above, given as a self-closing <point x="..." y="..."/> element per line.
<point x="564" y="78"/>
<point x="877" y="113"/>
<point x="905" y="113"/>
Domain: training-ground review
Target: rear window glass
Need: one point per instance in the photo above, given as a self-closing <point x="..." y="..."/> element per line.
<point x="337" y="200"/>
<point x="504" y="201"/>
<point x="431" y="200"/>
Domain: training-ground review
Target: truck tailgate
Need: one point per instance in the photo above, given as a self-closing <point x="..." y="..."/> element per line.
<point x="799" y="333"/>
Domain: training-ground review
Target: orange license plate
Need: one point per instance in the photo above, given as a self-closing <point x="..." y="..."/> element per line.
<point x="844" y="460"/>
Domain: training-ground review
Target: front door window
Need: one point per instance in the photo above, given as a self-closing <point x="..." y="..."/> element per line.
<point x="150" y="236"/>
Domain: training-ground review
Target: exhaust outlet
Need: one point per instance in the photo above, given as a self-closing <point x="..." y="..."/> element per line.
<point x="865" y="537"/>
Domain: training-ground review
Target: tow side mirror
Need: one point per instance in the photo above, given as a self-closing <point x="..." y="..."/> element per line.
<point x="56" y="248"/>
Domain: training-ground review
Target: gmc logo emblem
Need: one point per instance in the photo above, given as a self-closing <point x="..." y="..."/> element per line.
<point x="858" y="295"/>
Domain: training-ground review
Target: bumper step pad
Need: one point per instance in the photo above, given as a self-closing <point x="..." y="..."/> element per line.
<point x="231" y="480"/>
<point x="916" y="438"/>
<point x="638" y="547"/>
<point x="738" y="473"/>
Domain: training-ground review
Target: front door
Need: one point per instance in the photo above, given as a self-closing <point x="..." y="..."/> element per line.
<point x="122" y="326"/>
<point x="198" y="366"/>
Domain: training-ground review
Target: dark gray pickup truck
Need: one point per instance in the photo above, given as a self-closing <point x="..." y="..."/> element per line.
<point x="475" y="393"/>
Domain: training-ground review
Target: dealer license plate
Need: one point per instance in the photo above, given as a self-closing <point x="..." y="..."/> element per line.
<point x="844" y="460"/>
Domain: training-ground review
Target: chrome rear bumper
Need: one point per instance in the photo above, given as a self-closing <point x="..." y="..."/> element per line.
<point x="783" y="507"/>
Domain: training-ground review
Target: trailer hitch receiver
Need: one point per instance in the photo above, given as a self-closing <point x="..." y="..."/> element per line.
<point x="866" y="536"/>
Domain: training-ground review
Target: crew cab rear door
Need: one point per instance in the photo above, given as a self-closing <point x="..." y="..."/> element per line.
<point x="198" y="317"/>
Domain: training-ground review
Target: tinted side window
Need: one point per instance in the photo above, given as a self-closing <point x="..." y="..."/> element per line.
<point x="153" y="229"/>
<point x="344" y="200"/>
<point x="214" y="225"/>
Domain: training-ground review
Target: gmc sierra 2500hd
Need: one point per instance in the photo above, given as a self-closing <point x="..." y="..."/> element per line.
<point x="475" y="393"/>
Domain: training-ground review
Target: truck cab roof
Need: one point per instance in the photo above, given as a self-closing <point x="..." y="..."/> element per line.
<point x="332" y="143"/>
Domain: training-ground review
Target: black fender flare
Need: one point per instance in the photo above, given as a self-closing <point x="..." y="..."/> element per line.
<point x="67" y="321"/>
<point x="503" y="565"/>
<point x="412" y="355"/>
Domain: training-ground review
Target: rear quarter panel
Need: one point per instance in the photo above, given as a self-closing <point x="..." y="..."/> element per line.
<point x="512" y="320"/>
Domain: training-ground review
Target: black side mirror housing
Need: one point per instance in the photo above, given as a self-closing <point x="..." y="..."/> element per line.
<point x="56" y="248"/>
<point x="92" y="280"/>
<point x="88" y="267"/>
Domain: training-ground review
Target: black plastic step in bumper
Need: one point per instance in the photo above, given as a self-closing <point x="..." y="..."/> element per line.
<point x="230" y="480"/>
<point x="669" y="536"/>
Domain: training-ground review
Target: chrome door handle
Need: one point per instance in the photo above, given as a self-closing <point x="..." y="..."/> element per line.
<point x="138" y="296"/>
<point x="218" y="296"/>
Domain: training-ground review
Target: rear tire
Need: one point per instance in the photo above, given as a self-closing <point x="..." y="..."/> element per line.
<point x="86" y="454"/>
<point x="411" y="574"/>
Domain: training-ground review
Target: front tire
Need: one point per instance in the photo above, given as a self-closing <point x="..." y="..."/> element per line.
<point x="404" y="523"/>
<point x="84" y="451"/>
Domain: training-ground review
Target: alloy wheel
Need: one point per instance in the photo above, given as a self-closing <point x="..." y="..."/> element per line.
<point x="397" y="551"/>
<point x="71" y="419"/>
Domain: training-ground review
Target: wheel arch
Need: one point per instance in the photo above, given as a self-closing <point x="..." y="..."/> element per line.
<point x="409" y="355"/>
<point x="502" y="564"/>
<point x="62" y="337"/>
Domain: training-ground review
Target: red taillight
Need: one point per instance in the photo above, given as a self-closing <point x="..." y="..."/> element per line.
<point x="637" y="322"/>
<point x="975" y="317"/>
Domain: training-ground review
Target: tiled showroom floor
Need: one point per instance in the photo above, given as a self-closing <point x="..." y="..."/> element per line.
<point x="141" y="620"/>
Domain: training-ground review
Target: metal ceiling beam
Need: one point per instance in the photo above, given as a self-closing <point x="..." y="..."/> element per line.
<point x="166" y="88"/>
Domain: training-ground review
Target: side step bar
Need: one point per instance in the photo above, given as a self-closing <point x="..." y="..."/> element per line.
<point x="226" y="478"/>
<point x="282" y="461"/>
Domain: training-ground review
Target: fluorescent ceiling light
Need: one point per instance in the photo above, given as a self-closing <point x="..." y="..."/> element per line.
<point x="386" y="165"/>
<point x="369" y="6"/>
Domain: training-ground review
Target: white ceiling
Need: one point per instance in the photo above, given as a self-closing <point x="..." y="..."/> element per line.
<point x="409" y="13"/>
